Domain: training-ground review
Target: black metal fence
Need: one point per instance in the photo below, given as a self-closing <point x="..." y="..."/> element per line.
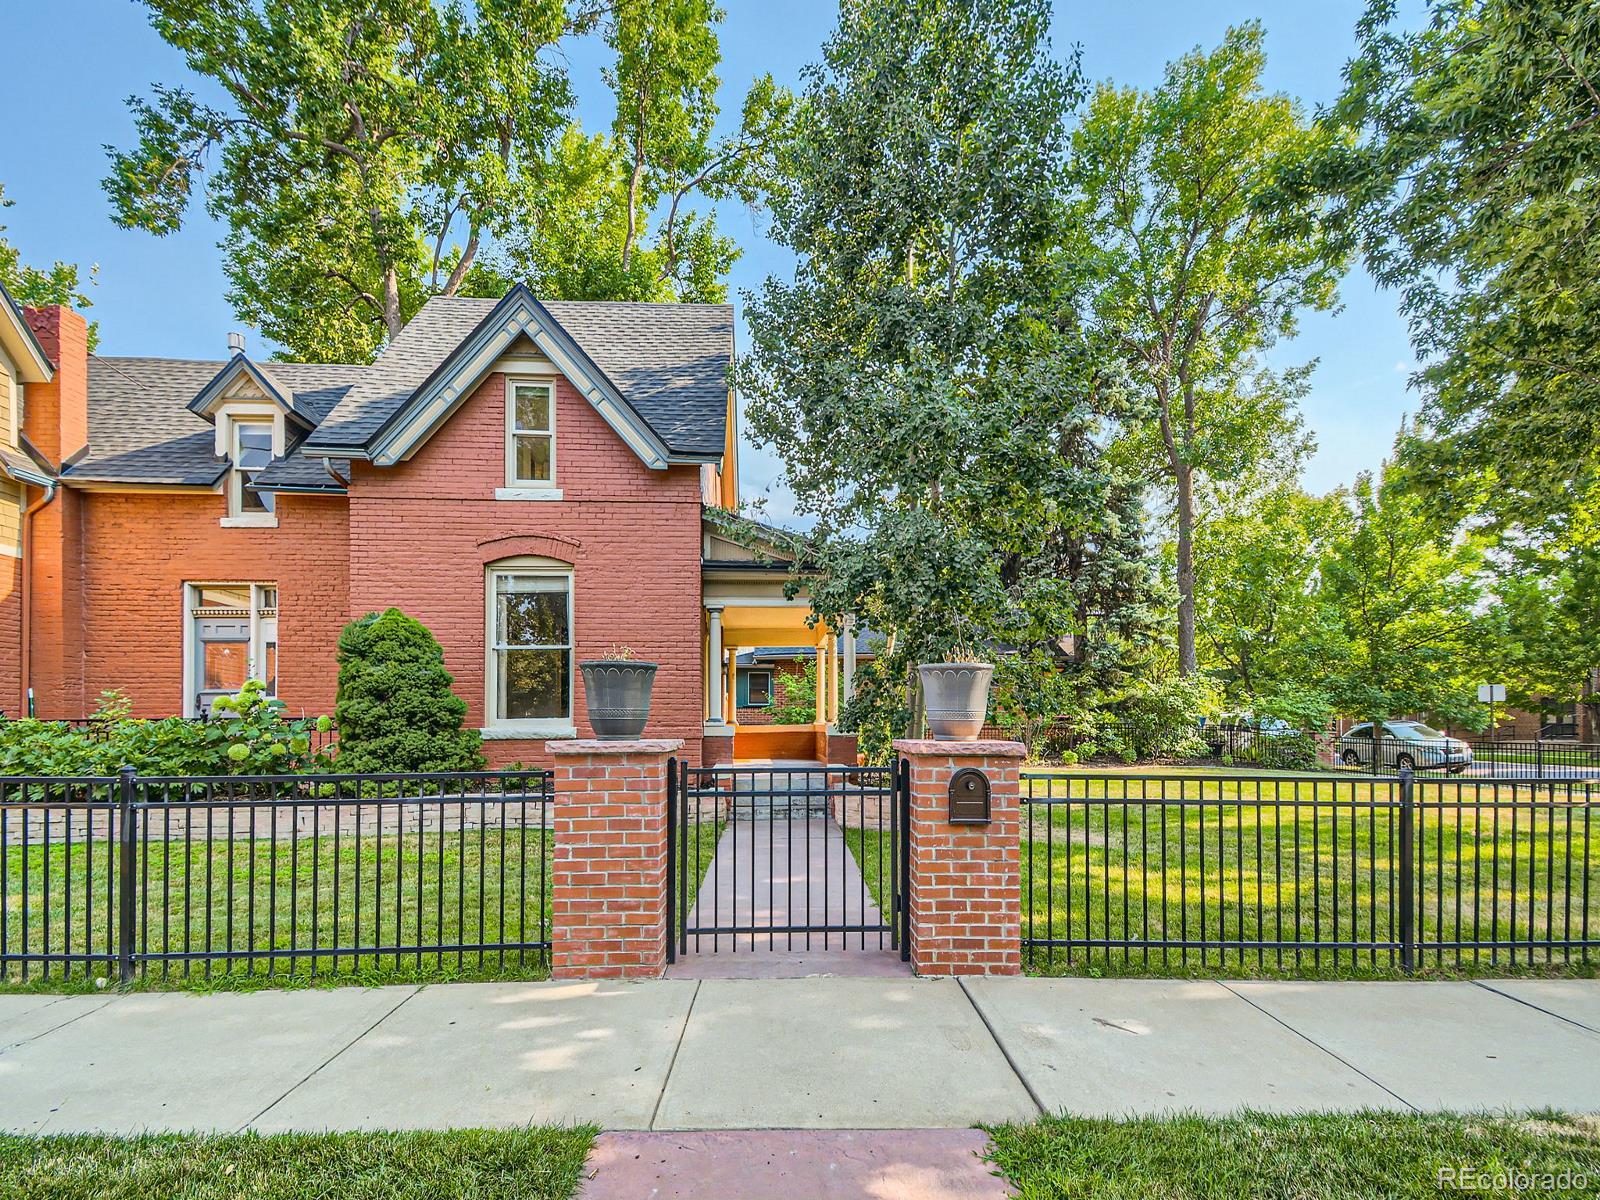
<point x="300" y="875"/>
<point x="1308" y="875"/>
<point x="786" y="858"/>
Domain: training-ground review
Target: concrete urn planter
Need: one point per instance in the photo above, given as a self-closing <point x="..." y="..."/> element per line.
<point x="956" y="696"/>
<point x="616" y="693"/>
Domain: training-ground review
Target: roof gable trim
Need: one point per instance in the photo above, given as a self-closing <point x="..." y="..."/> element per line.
<point x="21" y="344"/>
<point x="444" y="391"/>
<point x="211" y="396"/>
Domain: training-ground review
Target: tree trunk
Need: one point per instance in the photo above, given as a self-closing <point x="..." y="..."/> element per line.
<point x="392" y="319"/>
<point x="1187" y="662"/>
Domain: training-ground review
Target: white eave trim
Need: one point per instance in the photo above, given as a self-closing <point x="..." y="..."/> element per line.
<point x="427" y="410"/>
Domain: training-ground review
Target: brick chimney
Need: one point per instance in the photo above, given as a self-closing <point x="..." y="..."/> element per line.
<point x="57" y="415"/>
<point x="56" y="421"/>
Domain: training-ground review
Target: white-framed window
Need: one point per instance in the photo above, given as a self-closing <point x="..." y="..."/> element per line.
<point x="529" y="664"/>
<point x="251" y="451"/>
<point x="530" y="433"/>
<point x="230" y="635"/>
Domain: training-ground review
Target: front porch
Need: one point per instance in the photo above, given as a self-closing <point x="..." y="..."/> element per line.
<point x="745" y="609"/>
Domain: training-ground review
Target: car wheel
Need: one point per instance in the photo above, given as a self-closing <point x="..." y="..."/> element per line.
<point x="1351" y="758"/>
<point x="1404" y="762"/>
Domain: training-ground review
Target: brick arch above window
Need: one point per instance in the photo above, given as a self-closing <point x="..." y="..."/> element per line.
<point x="525" y="545"/>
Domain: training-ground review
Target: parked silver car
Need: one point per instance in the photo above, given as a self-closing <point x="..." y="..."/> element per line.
<point x="1404" y="744"/>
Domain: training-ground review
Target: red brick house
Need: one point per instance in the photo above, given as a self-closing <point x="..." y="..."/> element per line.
<point x="530" y="480"/>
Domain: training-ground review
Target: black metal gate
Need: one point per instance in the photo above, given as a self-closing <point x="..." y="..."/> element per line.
<point x="786" y="858"/>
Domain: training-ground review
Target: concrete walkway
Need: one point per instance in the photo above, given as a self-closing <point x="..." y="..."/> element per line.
<point x="771" y="874"/>
<point x="817" y="1053"/>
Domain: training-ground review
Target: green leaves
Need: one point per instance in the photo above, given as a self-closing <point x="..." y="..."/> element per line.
<point x="365" y="156"/>
<point x="395" y="709"/>
<point x="1200" y="267"/>
<point x="937" y="404"/>
<point x="1469" y="184"/>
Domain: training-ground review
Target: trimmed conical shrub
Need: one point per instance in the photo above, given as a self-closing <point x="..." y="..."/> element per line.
<point x="395" y="709"/>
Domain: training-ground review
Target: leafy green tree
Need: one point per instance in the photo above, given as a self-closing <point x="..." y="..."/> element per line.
<point x="1401" y="628"/>
<point x="1472" y="190"/>
<point x="59" y="283"/>
<point x="395" y="710"/>
<point x="924" y="377"/>
<point x="1257" y="556"/>
<point x="1198" y="276"/>
<point x="367" y="155"/>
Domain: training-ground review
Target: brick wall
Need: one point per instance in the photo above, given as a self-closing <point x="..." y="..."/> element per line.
<point x="142" y="549"/>
<point x="608" y="915"/>
<point x="782" y="673"/>
<point x="422" y="533"/>
<point x="966" y="916"/>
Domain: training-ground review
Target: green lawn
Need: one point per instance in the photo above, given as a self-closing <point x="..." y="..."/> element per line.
<point x="1324" y="871"/>
<point x="373" y="894"/>
<point x="1368" y="1156"/>
<point x="695" y="861"/>
<point x="206" y="898"/>
<point x="523" y="1164"/>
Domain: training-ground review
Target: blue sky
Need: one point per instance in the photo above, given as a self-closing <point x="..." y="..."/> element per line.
<point x="165" y="296"/>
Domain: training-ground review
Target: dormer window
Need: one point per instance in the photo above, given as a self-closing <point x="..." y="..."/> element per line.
<point x="252" y="452"/>
<point x="530" y="440"/>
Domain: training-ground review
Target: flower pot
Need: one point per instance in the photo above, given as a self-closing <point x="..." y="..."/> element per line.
<point x="617" y="694"/>
<point x="956" y="697"/>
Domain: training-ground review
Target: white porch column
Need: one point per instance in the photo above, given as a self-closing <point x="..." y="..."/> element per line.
<point x="716" y="688"/>
<point x="833" y="680"/>
<point x="848" y="644"/>
<point x="822" y="680"/>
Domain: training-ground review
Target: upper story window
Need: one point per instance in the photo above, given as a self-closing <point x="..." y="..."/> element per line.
<point x="251" y="452"/>
<point x="530" y="433"/>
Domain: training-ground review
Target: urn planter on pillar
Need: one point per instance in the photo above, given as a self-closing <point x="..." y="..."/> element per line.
<point x="616" y="692"/>
<point x="956" y="697"/>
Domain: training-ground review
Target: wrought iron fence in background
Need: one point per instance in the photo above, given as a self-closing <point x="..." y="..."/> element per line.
<point x="1308" y="875"/>
<point x="297" y="874"/>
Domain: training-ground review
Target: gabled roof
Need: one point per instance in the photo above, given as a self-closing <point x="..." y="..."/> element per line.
<point x="657" y="372"/>
<point x="214" y="393"/>
<point x="142" y="430"/>
<point x="20" y="344"/>
<point x="660" y="368"/>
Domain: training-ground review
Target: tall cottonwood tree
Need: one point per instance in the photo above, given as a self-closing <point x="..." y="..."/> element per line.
<point x="368" y="154"/>
<point x="924" y="378"/>
<point x="1198" y="276"/>
<point x="1470" y="187"/>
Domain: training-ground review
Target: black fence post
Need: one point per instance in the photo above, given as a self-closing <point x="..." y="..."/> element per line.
<point x="1408" y="933"/>
<point x="126" y="892"/>
<point x="672" y="858"/>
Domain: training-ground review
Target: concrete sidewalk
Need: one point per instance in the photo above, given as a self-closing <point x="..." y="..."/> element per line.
<point x="815" y="1053"/>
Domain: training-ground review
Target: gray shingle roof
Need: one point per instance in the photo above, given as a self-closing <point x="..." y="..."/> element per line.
<point x="669" y="361"/>
<point x="140" y="427"/>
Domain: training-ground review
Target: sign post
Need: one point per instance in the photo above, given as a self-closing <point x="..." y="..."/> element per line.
<point x="1491" y="694"/>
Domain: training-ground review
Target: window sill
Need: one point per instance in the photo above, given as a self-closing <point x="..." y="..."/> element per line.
<point x="527" y="493"/>
<point x="250" y="522"/>
<point x="530" y="731"/>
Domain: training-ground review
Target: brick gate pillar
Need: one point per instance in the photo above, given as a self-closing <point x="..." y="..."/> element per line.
<point x="608" y="906"/>
<point x="966" y="902"/>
